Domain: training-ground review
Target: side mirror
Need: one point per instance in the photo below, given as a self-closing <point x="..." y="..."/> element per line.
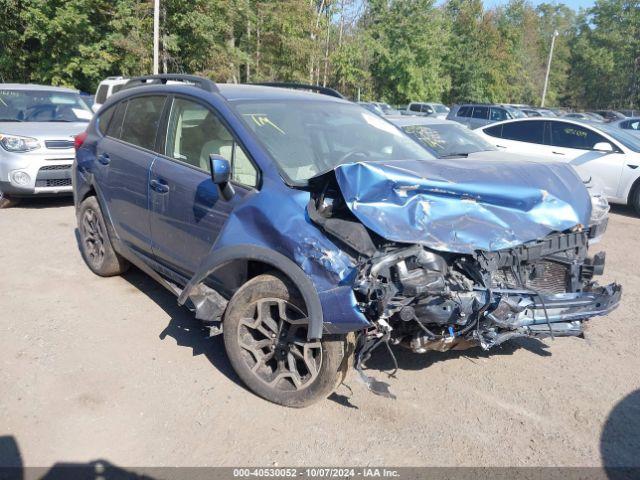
<point x="603" y="147"/>
<point x="221" y="174"/>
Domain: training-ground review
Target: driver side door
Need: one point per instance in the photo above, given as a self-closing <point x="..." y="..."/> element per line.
<point x="575" y="144"/>
<point x="187" y="210"/>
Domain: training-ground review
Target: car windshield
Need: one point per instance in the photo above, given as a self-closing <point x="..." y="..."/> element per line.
<point x="446" y="140"/>
<point x="310" y="138"/>
<point x="625" y="138"/>
<point x="440" y="108"/>
<point x="42" y="106"/>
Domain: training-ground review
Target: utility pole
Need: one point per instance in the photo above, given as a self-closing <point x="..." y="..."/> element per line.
<point x="546" y="77"/>
<point x="156" y="36"/>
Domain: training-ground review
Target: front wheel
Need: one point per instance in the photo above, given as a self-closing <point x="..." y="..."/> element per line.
<point x="265" y="336"/>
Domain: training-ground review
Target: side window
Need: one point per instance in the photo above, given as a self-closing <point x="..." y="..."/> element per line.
<point x="141" y="121"/>
<point x="494" y="131"/>
<point x="103" y="120"/>
<point x="481" y="112"/>
<point x="427" y="109"/>
<point x="498" y="114"/>
<point x="115" y="125"/>
<point x="101" y="94"/>
<point x="195" y="132"/>
<point x="568" y="135"/>
<point x="531" y="132"/>
<point x="414" y="107"/>
<point x="464" y="112"/>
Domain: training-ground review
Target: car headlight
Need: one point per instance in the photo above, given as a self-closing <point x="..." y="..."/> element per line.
<point x="16" y="143"/>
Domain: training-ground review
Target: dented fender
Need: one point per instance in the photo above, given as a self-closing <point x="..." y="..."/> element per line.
<point x="275" y="229"/>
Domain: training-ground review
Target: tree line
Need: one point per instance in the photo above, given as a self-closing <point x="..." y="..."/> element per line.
<point x="391" y="50"/>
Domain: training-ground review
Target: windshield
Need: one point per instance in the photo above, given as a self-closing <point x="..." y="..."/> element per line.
<point x="42" y="106"/>
<point x="440" y="108"/>
<point x="625" y="138"/>
<point x="446" y="140"/>
<point x="309" y="138"/>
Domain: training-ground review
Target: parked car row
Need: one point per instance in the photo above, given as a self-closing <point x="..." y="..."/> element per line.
<point x="37" y="129"/>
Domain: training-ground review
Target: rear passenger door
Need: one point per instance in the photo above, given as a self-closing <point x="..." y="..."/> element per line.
<point x="125" y="155"/>
<point x="187" y="210"/>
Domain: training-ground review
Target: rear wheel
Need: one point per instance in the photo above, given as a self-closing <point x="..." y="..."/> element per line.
<point x="95" y="245"/>
<point x="265" y="335"/>
<point x="7" y="201"/>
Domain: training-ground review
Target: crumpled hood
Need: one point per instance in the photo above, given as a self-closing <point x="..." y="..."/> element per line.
<point x="460" y="206"/>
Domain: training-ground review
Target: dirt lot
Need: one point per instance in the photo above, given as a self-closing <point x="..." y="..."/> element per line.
<point x="112" y="369"/>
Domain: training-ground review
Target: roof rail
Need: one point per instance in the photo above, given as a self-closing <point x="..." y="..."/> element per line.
<point x="200" y="82"/>
<point x="302" y="86"/>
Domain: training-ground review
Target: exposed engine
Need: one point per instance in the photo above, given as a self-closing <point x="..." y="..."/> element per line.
<point x="433" y="300"/>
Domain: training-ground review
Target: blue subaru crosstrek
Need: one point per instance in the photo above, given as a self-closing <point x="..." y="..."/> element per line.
<point x="309" y="231"/>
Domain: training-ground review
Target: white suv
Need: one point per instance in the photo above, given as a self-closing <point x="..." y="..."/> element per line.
<point x="108" y="87"/>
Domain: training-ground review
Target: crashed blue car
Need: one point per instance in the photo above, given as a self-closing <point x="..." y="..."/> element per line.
<point x="309" y="232"/>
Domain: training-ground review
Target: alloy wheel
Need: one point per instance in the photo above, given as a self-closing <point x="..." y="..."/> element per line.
<point x="93" y="236"/>
<point x="273" y="337"/>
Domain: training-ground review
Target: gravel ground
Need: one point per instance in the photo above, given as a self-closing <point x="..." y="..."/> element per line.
<point x="113" y="369"/>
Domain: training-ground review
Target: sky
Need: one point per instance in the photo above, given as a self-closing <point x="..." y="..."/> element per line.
<point x="575" y="4"/>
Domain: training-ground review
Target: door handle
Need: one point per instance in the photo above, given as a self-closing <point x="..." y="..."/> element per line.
<point x="159" y="186"/>
<point x="557" y="153"/>
<point x="104" y="158"/>
<point x="501" y="146"/>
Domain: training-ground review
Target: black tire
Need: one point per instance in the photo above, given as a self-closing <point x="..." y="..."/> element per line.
<point x="95" y="245"/>
<point x="272" y="355"/>
<point x="634" y="199"/>
<point x="7" y="201"/>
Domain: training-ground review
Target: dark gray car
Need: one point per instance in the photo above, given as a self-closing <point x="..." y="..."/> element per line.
<point x="478" y="115"/>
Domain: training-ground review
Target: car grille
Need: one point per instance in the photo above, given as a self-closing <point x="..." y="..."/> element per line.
<point x="61" y="182"/>
<point x="547" y="277"/>
<point x="54" y="176"/>
<point x="48" y="168"/>
<point x="55" y="144"/>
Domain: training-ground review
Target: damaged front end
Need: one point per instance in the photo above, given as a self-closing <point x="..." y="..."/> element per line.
<point x="436" y="301"/>
<point x="445" y="264"/>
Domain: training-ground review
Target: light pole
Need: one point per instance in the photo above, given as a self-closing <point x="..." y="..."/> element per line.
<point x="546" y="77"/>
<point x="156" y="36"/>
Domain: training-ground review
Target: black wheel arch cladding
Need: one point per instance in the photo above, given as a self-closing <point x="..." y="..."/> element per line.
<point x="218" y="257"/>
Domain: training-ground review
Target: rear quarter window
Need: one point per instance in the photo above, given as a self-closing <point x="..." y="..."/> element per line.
<point x="104" y="119"/>
<point x="101" y="94"/>
<point x="114" y="129"/>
